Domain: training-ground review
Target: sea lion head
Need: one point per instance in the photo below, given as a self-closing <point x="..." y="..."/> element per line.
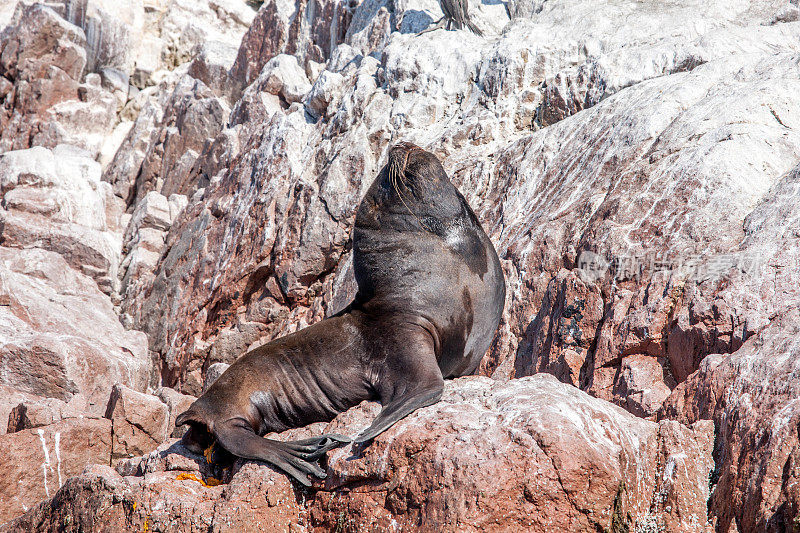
<point x="198" y="436"/>
<point x="414" y="167"/>
<point x="419" y="183"/>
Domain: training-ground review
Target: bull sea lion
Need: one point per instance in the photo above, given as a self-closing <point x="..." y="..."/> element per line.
<point x="430" y="295"/>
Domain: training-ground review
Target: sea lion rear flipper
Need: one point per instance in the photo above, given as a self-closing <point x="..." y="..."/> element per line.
<point x="238" y="438"/>
<point x="412" y="380"/>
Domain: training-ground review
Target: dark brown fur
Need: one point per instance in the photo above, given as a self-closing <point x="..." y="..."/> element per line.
<point x="430" y="296"/>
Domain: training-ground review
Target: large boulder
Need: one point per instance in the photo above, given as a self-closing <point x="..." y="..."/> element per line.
<point x="140" y="422"/>
<point x="36" y="462"/>
<point x="530" y="454"/>
<point x="36" y="412"/>
<point x="60" y="334"/>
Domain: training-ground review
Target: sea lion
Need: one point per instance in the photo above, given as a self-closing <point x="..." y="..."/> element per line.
<point x="430" y="295"/>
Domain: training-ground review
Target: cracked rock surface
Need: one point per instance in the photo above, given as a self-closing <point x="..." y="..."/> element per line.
<point x="178" y="183"/>
<point x="526" y="469"/>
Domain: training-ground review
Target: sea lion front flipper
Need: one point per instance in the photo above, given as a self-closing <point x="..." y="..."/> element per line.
<point x="397" y="410"/>
<point x="410" y="381"/>
<point x="238" y="438"/>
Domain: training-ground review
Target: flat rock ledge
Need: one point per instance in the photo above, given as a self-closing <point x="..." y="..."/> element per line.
<point x="530" y="454"/>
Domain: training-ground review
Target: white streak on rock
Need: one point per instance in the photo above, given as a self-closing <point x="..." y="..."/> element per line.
<point x="58" y="456"/>
<point x="46" y="462"/>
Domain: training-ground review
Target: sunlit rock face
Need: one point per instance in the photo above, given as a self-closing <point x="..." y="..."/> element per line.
<point x="179" y="182"/>
<point x="526" y="469"/>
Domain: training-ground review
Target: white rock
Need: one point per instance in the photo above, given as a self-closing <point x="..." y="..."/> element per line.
<point x="113" y="31"/>
<point x="55" y="200"/>
<point x="59" y="335"/>
<point x="325" y="90"/>
<point x="173" y="28"/>
<point x="113" y="142"/>
<point x="283" y="75"/>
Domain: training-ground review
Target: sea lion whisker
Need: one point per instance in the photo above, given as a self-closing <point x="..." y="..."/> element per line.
<point x="397" y="174"/>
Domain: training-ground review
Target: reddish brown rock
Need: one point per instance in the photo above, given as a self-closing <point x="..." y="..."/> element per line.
<point x="531" y="454"/>
<point x="173" y="495"/>
<point x="36" y="462"/>
<point x="528" y="467"/>
<point x="44" y="57"/>
<point x="10" y="399"/>
<point x="61" y="335"/>
<point x="563" y="333"/>
<point x="140" y="422"/>
<point x="569" y="92"/>
<point x="210" y="64"/>
<point x="751" y="395"/>
<point x="160" y="150"/>
<point x="44" y="411"/>
<point x="39" y="41"/>
<point x="309" y="29"/>
<point x="176" y="404"/>
<point x="639" y="385"/>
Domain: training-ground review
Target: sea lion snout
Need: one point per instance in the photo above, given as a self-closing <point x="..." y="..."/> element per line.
<point x="197" y="438"/>
<point x="398" y="159"/>
<point x="414" y="167"/>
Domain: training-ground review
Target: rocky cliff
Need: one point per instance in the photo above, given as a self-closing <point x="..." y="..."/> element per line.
<point x="179" y="180"/>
